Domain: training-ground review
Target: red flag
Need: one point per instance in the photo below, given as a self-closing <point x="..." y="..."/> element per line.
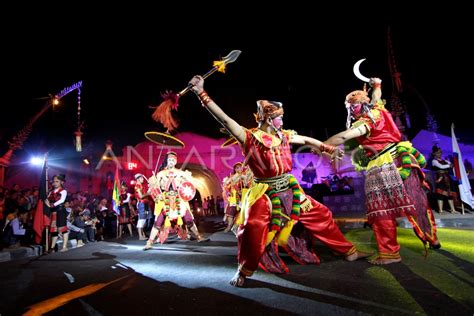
<point x="41" y="218"/>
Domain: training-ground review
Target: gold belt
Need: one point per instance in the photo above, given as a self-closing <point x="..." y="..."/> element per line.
<point x="279" y="183"/>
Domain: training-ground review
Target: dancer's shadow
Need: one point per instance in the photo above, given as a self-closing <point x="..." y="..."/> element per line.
<point x="332" y="298"/>
<point x="462" y="264"/>
<point x="431" y="299"/>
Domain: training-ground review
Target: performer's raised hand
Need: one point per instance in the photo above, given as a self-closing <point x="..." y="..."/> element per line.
<point x="198" y="84"/>
<point x="375" y="81"/>
<point x="376" y="84"/>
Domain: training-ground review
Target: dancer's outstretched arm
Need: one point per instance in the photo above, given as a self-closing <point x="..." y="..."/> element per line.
<point x="334" y="152"/>
<point x="346" y="135"/>
<point x="229" y="124"/>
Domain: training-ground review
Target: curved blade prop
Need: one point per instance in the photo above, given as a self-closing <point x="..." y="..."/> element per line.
<point x="357" y="72"/>
<point x="218" y="66"/>
<point x="163" y="112"/>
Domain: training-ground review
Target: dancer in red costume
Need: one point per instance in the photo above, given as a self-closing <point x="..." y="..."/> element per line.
<point x="276" y="202"/>
<point x="394" y="181"/>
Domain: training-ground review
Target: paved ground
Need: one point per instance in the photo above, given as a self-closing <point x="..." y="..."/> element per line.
<point x="181" y="277"/>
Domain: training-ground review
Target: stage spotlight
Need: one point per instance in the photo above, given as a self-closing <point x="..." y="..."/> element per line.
<point x="86" y="161"/>
<point x="55" y="101"/>
<point x="36" y="161"/>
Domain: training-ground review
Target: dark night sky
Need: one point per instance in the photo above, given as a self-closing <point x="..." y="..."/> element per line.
<point x="305" y="64"/>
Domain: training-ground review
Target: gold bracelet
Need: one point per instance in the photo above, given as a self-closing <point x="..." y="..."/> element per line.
<point x="205" y="98"/>
<point x="324" y="148"/>
<point x="376" y="85"/>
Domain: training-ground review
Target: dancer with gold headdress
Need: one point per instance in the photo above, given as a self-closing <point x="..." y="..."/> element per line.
<point x="394" y="181"/>
<point x="172" y="190"/>
<point x="276" y="202"/>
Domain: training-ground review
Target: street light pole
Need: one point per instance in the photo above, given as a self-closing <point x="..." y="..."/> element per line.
<point x="17" y="141"/>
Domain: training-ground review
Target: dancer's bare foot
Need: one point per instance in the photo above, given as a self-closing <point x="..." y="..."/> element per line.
<point x="202" y="239"/>
<point x="238" y="280"/>
<point x="435" y="245"/>
<point x="358" y="255"/>
<point x="381" y="261"/>
<point x="149" y="245"/>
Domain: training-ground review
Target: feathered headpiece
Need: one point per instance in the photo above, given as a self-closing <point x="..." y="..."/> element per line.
<point x="358" y="103"/>
<point x="266" y="109"/>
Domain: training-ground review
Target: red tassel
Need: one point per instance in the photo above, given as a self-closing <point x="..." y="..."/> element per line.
<point x="163" y="112"/>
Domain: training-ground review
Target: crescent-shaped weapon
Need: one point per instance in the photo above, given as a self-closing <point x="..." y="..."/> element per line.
<point x="357" y="71"/>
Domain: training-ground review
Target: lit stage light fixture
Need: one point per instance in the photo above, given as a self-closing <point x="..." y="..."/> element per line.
<point x="36" y="161"/>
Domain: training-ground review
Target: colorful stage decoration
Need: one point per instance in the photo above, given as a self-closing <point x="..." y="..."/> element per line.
<point x="78" y="133"/>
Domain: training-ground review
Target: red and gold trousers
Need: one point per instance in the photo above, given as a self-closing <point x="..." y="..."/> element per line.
<point x="252" y="235"/>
